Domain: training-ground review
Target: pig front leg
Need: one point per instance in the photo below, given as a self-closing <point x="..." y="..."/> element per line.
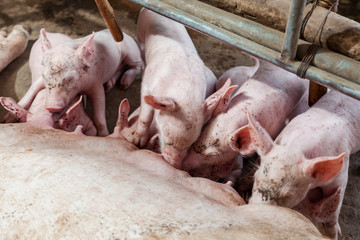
<point x="141" y="134"/>
<point x="97" y="98"/>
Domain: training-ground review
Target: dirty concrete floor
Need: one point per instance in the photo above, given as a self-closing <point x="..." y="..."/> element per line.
<point x="79" y="18"/>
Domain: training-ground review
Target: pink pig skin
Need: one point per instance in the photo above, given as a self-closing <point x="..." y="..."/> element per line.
<point x="306" y="167"/>
<point x="269" y="96"/>
<point x="67" y="67"/>
<point x="13" y="44"/>
<point x="39" y="117"/>
<point x="173" y="87"/>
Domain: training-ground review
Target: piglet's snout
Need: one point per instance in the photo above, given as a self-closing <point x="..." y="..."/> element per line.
<point x="258" y="198"/>
<point x="54" y="108"/>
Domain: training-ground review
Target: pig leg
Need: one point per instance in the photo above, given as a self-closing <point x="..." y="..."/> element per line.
<point x="140" y="136"/>
<point x="129" y="76"/>
<point x="323" y="213"/>
<point x="35" y="87"/>
<point x="97" y="98"/>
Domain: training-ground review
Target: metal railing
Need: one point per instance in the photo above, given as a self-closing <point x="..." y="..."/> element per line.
<point x="329" y="69"/>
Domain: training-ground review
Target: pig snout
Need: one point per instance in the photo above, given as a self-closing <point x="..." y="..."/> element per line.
<point x="261" y="198"/>
<point x="173" y="156"/>
<point x="54" y="107"/>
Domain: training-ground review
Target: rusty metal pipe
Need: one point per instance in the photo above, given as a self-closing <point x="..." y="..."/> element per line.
<point x="108" y="15"/>
<point x="292" y="32"/>
<point x="324" y="59"/>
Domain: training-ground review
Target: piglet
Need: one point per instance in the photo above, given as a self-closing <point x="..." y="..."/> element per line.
<point x="67" y="67"/>
<point x="38" y="116"/>
<point x="173" y="87"/>
<point x="13" y="44"/>
<point x="269" y="96"/>
<point x="306" y="167"/>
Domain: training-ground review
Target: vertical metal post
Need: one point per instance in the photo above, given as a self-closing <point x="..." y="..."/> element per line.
<point x="292" y="32"/>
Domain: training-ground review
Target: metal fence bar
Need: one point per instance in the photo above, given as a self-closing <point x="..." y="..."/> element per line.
<point x="192" y="20"/>
<point x="324" y="59"/>
<point x="292" y="32"/>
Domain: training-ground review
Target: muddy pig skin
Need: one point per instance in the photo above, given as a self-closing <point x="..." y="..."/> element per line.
<point x="13" y="45"/>
<point x="38" y="116"/>
<point x="269" y="96"/>
<point x="173" y="87"/>
<point x="67" y="67"/>
<point x="306" y="167"/>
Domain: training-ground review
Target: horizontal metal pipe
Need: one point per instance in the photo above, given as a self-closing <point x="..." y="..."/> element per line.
<point x="292" y="32"/>
<point x="326" y="60"/>
<point x="313" y="73"/>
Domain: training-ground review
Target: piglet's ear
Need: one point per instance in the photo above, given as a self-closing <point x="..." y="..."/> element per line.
<point x="323" y="169"/>
<point x="218" y="101"/>
<point x="10" y="104"/>
<point x="86" y="51"/>
<point x="250" y="138"/>
<point x="123" y="114"/>
<point x="71" y="116"/>
<point x="161" y="103"/>
<point x="45" y="43"/>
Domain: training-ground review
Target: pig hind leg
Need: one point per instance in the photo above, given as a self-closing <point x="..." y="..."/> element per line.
<point x="129" y="76"/>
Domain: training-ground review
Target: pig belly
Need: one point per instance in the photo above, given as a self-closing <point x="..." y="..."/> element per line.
<point x="52" y="186"/>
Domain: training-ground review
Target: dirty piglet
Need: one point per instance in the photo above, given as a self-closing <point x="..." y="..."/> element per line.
<point x="37" y="115"/>
<point x="306" y="167"/>
<point x="67" y="67"/>
<point x="173" y="87"/>
<point x="269" y="96"/>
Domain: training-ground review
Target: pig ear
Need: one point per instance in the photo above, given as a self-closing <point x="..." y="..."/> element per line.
<point x="320" y="209"/>
<point x="123" y="114"/>
<point x="45" y="43"/>
<point x="218" y="101"/>
<point x="70" y="114"/>
<point x="86" y="51"/>
<point x="74" y="106"/>
<point x="224" y="100"/>
<point x="10" y="104"/>
<point x="323" y="169"/>
<point x="250" y="138"/>
<point x="161" y="103"/>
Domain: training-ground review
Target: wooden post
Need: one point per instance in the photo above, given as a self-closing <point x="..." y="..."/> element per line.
<point x="108" y="15"/>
